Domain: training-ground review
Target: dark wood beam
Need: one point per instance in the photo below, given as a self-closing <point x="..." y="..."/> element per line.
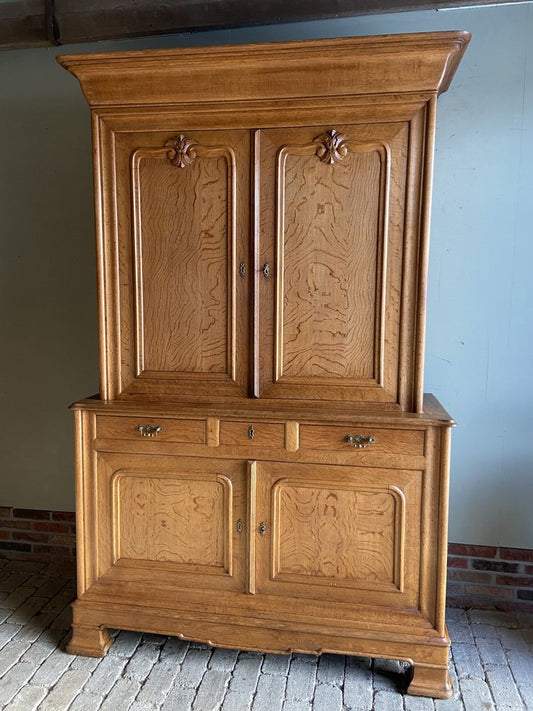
<point x="27" y="23"/>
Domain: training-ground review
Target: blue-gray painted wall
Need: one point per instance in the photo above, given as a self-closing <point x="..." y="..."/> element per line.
<point x="480" y="327"/>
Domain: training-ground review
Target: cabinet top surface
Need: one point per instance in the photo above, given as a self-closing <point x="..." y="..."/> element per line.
<point x="423" y="62"/>
<point x="433" y="413"/>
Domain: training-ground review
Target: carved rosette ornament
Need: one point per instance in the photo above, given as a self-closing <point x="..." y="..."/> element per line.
<point x="331" y="146"/>
<point x="181" y="150"/>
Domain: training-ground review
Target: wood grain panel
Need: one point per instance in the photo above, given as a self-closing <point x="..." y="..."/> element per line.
<point x="185" y="521"/>
<point x="332" y="437"/>
<point x="331" y="236"/>
<point x="334" y="229"/>
<point x="185" y="243"/>
<point x="341" y="535"/>
<point x="172" y="516"/>
<point x="190" y="431"/>
<point x="252" y="433"/>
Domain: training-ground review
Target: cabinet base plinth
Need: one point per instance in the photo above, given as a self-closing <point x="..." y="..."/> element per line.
<point x="428" y="657"/>
<point x="430" y="681"/>
<point x="89" y="641"/>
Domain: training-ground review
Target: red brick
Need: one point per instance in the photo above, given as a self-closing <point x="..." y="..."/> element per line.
<point x="497" y="566"/>
<point x="454" y="562"/>
<point x="32" y="514"/>
<point x="519" y="581"/>
<point x="22" y="525"/>
<point x="52" y="527"/>
<point x="454" y="588"/>
<point x="514" y="606"/>
<point x="5" y="511"/>
<point x="470" y="576"/>
<point x="63" y="540"/>
<point x="528" y="569"/>
<point x="490" y="591"/>
<point x="25" y="536"/>
<point x="523" y="554"/>
<point x="4" y="535"/>
<point x="13" y="546"/>
<point x="466" y="601"/>
<point x="472" y="550"/>
<point x="63" y="516"/>
<point x="524" y="594"/>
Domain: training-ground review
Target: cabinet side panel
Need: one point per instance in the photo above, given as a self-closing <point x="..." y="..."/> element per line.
<point x="434" y="533"/>
<point x="111" y="318"/>
<point x="85" y="513"/>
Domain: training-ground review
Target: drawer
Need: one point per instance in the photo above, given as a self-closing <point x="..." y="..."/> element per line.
<point x="384" y="441"/>
<point x="262" y="434"/>
<point x="187" y="431"/>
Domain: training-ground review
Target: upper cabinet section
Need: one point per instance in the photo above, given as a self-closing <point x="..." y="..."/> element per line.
<point x="182" y="223"/>
<point x="332" y="222"/>
<point x="263" y="217"/>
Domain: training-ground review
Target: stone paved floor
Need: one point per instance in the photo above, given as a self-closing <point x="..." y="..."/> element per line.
<point x="492" y="665"/>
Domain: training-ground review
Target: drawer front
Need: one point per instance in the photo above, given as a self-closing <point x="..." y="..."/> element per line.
<point x="365" y="439"/>
<point x="262" y="434"/>
<point x="147" y="428"/>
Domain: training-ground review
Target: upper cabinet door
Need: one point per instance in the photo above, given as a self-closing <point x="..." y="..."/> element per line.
<point x="182" y="229"/>
<point x="332" y="213"/>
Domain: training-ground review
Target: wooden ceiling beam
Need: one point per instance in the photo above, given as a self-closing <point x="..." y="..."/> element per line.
<point x="30" y="23"/>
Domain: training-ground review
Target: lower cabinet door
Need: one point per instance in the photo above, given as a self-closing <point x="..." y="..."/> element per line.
<point x="338" y="533"/>
<point x="166" y="521"/>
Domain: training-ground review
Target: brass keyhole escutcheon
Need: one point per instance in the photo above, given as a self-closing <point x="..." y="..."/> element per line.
<point x="239" y="526"/>
<point x="242" y="269"/>
<point x="251" y="432"/>
<point x="266" y="270"/>
<point x="262" y="528"/>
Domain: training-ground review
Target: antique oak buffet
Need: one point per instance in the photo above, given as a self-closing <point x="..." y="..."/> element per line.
<point x="261" y="469"/>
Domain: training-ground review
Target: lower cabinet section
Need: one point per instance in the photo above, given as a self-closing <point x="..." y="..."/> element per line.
<point x="278" y="553"/>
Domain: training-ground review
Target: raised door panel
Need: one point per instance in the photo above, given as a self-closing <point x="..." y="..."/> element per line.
<point x="183" y="232"/>
<point x="338" y="533"/>
<point x="178" y="515"/>
<point x="331" y="231"/>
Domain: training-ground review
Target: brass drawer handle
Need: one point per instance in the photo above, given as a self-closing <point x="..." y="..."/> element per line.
<point x="359" y="441"/>
<point x="149" y="430"/>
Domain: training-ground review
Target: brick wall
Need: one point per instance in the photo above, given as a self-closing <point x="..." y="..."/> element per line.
<point x="488" y="577"/>
<point x="483" y="577"/>
<point x="42" y="536"/>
